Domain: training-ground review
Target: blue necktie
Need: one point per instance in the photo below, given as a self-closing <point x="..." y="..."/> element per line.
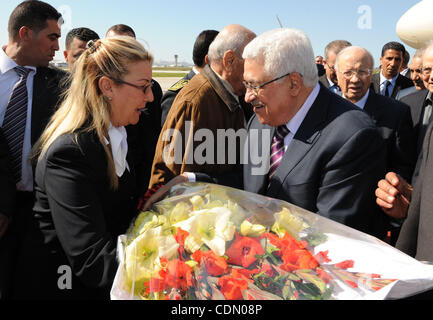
<point x="388" y="84"/>
<point x="14" y="123"/>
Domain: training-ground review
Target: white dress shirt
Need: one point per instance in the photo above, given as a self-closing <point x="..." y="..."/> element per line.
<point x="294" y="123"/>
<point x="119" y="148"/>
<point x="383" y="84"/>
<point x="8" y="80"/>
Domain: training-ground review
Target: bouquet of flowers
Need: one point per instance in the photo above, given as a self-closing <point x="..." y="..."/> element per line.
<point x="209" y="242"/>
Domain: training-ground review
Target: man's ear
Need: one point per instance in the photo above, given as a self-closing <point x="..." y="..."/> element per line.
<point x="295" y="83"/>
<point x="228" y="59"/>
<point x="65" y="54"/>
<point x="25" y="33"/>
<point x="206" y="60"/>
<point x="106" y="86"/>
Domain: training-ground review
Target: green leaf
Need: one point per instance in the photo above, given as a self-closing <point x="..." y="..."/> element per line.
<point x="312" y="278"/>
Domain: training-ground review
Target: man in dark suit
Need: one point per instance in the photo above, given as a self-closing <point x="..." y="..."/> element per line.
<point x="388" y="82"/>
<point x="393" y="118"/>
<point x="200" y="59"/>
<point x="306" y="145"/>
<point x="415" y="75"/>
<point x="30" y="92"/>
<point x="400" y="200"/>
<point x="329" y="79"/>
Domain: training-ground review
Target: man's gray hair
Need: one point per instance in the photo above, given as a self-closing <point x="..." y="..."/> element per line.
<point x="285" y="51"/>
<point x="350" y="49"/>
<point x="234" y="40"/>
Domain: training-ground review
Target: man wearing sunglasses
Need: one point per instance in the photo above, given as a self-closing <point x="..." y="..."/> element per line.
<point x="325" y="154"/>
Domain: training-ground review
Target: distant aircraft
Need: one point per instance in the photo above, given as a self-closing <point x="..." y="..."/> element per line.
<point x="415" y="27"/>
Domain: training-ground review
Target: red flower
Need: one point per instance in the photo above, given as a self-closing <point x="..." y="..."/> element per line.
<point x="323" y="275"/>
<point x="243" y="251"/>
<point x="214" y="264"/>
<point x="177" y="275"/>
<point x="232" y="288"/>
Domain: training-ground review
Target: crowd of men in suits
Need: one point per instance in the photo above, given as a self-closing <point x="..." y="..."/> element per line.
<point x="333" y="128"/>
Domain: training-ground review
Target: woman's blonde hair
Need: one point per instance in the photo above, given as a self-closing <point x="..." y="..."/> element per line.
<point x="84" y="108"/>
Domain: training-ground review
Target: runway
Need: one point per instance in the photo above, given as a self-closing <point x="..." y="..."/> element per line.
<point x="166" y="83"/>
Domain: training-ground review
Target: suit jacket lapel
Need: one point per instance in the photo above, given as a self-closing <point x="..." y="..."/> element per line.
<point x="371" y="107"/>
<point x="306" y="136"/>
<point x="375" y="83"/>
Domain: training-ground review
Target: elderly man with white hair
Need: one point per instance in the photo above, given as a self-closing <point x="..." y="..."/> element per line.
<point x="324" y="154"/>
<point x="208" y="103"/>
<point x="354" y="66"/>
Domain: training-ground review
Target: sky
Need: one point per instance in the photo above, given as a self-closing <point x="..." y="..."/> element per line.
<point x="170" y="27"/>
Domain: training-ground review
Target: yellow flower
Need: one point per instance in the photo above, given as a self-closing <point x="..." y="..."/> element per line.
<point x="252" y="230"/>
<point x="286" y="221"/>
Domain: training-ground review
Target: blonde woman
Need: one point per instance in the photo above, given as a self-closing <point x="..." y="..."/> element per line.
<point x="84" y="181"/>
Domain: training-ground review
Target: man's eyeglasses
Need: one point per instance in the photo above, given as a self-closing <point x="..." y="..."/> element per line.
<point x="257" y="88"/>
<point x="360" y="73"/>
<point x="426" y="71"/>
<point x="143" y="88"/>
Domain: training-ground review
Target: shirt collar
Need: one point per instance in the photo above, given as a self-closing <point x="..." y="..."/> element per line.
<point x="119" y="148"/>
<point x="294" y="123"/>
<point x="383" y="79"/>
<point x="7" y="64"/>
<point x="361" y="102"/>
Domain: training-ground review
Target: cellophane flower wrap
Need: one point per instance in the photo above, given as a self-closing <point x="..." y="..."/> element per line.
<point x="209" y="242"/>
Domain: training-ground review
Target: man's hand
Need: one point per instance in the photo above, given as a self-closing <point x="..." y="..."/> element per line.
<point x="4" y="223"/>
<point x="163" y="190"/>
<point x="394" y="195"/>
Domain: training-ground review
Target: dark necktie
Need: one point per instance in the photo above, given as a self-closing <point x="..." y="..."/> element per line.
<point x="277" y="149"/>
<point x="14" y="123"/>
<point x="388" y="84"/>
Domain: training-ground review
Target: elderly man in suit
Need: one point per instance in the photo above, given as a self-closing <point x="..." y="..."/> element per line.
<point x="400" y="200"/>
<point x="388" y="82"/>
<point x="354" y="69"/>
<point x="321" y="152"/>
<point x="29" y="94"/>
<point x="329" y="79"/>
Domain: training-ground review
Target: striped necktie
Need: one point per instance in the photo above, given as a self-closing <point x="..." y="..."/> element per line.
<point x="277" y="149"/>
<point x="14" y="123"/>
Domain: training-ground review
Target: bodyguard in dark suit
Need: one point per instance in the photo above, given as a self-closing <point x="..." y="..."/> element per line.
<point x="200" y="59"/>
<point x="30" y="91"/>
<point x="389" y="81"/>
<point x="316" y="150"/>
